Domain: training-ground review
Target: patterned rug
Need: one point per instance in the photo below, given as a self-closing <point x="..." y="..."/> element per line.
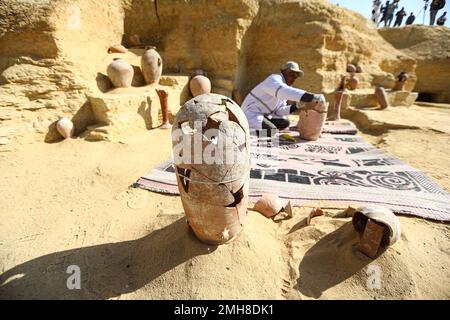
<point x="337" y="170"/>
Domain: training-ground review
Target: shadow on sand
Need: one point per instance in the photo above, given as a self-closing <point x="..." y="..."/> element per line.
<point x="107" y="270"/>
<point x="331" y="261"/>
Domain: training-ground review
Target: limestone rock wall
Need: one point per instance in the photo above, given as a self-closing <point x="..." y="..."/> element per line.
<point x="430" y="46"/>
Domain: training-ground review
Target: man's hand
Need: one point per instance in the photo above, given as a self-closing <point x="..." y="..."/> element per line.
<point x="318" y="104"/>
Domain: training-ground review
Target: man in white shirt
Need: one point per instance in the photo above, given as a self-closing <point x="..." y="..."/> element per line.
<point x="266" y="105"/>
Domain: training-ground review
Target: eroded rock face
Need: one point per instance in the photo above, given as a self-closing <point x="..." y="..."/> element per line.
<point x="50" y="60"/>
<point x="430" y="47"/>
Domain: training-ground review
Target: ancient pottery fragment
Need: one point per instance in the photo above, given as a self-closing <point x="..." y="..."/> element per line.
<point x="378" y="226"/>
<point x="118" y="48"/>
<point x="65" y="127"/>
<point x="270" y="205"/>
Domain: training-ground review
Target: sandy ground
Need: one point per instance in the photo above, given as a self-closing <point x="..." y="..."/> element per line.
<point x="70" y="203"/>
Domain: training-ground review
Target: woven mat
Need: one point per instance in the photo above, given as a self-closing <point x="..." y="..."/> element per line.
<point x="337" y="170"/>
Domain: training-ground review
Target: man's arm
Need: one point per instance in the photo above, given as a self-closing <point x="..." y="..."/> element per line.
<point x="277" y="88"/>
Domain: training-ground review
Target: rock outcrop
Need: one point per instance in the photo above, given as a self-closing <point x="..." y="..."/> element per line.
<point x="52" y="56"/>
<point x="430" y="46"/>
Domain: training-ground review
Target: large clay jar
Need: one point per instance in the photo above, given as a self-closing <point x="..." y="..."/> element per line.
<point x="199" y="85"/>
<point x="311" y="121"/>
<point x="120" y="73"/>
<point x="211" y="149"/>
<point x="151" y="65"/>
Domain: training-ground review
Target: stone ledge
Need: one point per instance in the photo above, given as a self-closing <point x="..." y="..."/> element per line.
<point x="363" y="98"/>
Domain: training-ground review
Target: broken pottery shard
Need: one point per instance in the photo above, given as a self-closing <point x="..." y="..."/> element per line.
<point x="210" y="137"/>
<point x="65" y="127"/>
<point x="312" y="119"/>
<point x="199" y="85"/>
<point x="118" y="48"/>
<point x="371" y="238"/>
<point x="380" y="215"/>
<point x="120" y="73"/>
<point x="316" y="212"/>
<point x="380" y="95"/>
<point x="151" y="64"/>
<point x="269" y="205"/>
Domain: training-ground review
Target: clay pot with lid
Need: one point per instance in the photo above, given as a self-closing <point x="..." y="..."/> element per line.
<point x="120" y="73"/>
<point x="151" y="65"/>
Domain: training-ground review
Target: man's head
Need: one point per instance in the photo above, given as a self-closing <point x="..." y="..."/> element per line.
<point x="291" y="72"/>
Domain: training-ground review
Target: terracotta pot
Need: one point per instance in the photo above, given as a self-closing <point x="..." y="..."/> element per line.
<point x="214" y="194"/>
<point x="118" y="48"/>
<point x="311" y="120"/>
<point x="351" y="68"/>
<point x="65" y="127"/>
<point x="151" y="65"/>
<point x="380" y="94"/>
<point x="120" y="73"/>
<point x="352" y="83"/>
<point x="199" y="85"/>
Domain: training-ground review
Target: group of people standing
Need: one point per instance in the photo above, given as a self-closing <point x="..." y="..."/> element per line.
<point x="385" y="13"/>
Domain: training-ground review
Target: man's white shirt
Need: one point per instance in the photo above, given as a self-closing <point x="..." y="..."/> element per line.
<point x="269" y="98"/>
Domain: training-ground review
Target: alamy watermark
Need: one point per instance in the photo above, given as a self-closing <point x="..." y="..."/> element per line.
<point x="194" y="145"/>
<point x="374" y="279"/>
<point x="74" y="280"/>
<point x="73" y="17"/>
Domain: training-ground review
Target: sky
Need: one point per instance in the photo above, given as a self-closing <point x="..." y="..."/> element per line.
<point x="364" y="7"/>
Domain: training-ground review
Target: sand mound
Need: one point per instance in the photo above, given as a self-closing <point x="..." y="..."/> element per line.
<point x="130" y="243"/>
